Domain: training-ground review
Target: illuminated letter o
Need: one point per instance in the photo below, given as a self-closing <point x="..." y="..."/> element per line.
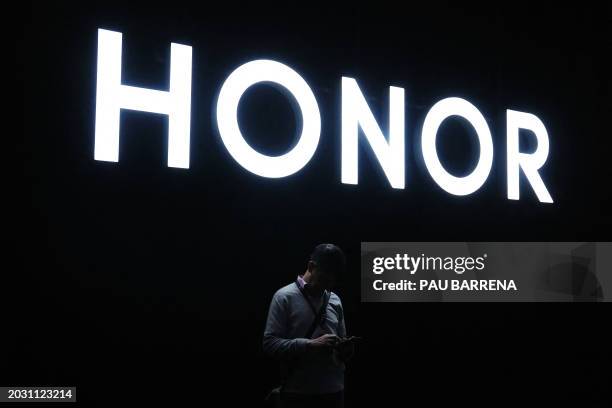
<point x="227" y="118"/>
<point x="436" y="115"/>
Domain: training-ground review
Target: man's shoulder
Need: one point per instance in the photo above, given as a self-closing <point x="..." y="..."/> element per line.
<point x="334" y="299"/>
<point x="287" y="291"/>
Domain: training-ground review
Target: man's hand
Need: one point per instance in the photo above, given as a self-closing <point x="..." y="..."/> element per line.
<point x="325" y="341"/>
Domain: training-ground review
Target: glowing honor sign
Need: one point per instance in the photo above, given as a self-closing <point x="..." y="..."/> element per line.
<point x="112" y="96"/>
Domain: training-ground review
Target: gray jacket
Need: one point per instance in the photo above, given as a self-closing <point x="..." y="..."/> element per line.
<point x="289" y="318"/>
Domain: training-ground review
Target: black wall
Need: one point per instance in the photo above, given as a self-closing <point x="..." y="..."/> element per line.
<point x="136" y="281"/>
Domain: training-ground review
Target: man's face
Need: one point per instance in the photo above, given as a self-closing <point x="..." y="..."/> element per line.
<point x="325" y="276"/>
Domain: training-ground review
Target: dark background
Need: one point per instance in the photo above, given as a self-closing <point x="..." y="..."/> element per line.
<point x="139" y="282"/>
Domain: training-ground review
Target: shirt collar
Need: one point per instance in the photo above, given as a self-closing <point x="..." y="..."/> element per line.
<point x="301" y="281"/>
<point x="306" y="286"/>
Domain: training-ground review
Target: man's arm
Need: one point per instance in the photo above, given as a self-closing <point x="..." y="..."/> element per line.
<point x="341" y="323"/>
<point x="275" y="341"/>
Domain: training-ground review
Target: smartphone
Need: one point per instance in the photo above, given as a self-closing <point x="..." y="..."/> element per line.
<point x="350" y="339"/>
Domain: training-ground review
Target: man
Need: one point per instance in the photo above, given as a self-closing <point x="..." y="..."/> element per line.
<point x="306" y="331"/>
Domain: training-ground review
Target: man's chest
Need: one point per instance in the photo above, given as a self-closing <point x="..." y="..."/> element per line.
<point x="302" y="315"/>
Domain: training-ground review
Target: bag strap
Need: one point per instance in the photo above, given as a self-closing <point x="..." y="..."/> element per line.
<point x="318" y="317"/>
